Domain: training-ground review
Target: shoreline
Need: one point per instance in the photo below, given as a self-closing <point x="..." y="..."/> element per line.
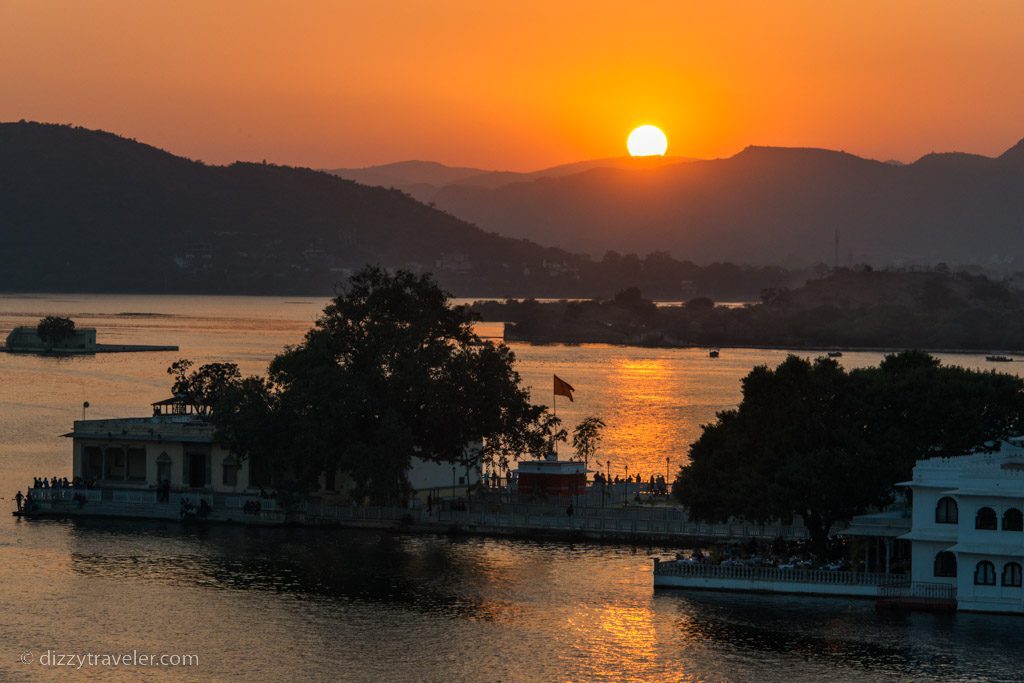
<point x="99" y="348"/>
<point x="654" y="526"/>
<point x="766" y="347"/>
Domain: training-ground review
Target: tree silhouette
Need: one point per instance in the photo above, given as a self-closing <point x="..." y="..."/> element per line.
<point x="52" y="330"/>
<point x="812" y="440"/>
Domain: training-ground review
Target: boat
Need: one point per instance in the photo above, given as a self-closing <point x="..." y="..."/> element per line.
<point x="835" y="354"/>
<point x="713" y="353"/>
<point x="999" y="359"/>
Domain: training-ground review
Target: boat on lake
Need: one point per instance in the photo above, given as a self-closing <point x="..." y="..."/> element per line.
<point x="835" y="354"/>
<point x="713" y="353"/>
<point x="999" y="359"/>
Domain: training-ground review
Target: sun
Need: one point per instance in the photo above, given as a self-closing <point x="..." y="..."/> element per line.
<point x="647" y="141"/>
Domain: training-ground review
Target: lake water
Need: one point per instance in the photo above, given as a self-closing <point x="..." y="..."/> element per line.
<point x="288" y="604"/>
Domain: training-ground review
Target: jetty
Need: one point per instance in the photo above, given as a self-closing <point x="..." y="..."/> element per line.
<point x="98" y="348"/>
<point x="82" y="341"/>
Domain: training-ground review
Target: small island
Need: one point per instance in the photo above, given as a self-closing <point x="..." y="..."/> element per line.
<point x="59" y="336"/>
<point x="861" y="308"/>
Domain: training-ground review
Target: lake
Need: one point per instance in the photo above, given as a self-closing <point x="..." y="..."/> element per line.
<point x="296" y="604"/>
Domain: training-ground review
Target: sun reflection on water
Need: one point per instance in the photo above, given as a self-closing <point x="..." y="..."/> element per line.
<point x="647" y="390"/>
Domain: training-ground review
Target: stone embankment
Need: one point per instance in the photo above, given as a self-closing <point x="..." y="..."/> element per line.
<point x="646" y="524"/>
<point x="635" y="524"/>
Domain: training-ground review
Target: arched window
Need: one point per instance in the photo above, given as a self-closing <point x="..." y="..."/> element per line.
<point x="1011" y="575"/>
<point x="945" y="564"/>
<point x="986" y="519"/>
<point x="1013" y="520"/>
<point x="163" y="468"/>
<point x="985" y="574"/>
<point x="946" y="511"/>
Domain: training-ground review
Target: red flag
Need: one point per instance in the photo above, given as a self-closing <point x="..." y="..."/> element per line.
<point x="563" y="388"/>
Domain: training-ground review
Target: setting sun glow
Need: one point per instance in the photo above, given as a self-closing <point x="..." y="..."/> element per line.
<point x="647" y="141"/>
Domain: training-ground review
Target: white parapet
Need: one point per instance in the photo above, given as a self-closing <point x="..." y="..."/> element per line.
<point x="684" y="574"/>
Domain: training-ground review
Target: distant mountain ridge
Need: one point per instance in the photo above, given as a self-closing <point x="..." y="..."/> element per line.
<point x="85" y="210"/>
<point x="423" y="179"/>
<point x="768" y="205"/>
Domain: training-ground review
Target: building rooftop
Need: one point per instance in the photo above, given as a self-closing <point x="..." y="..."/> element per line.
<point x="189" y="428"/>
<point x="1002" y="467"/>
<point x="888" y="524"/>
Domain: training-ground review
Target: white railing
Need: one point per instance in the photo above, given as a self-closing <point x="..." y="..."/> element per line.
<point x="146" y="497"/>
<point x="326" y="512"/>
<point x="773" y="574"/>
<point x="922" y="592"/>
<point x="238" y="501"/>
<point x="60" y="493"/>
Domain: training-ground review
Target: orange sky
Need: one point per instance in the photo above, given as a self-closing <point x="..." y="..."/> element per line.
<point x="518" y="85"/>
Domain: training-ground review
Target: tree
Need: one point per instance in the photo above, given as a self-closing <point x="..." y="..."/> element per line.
<point x="631" y="297"/>
<point x="912" y="407"/>
<point x="247" y="421"/>
<point x="203" y="388"/>
<point x="53" y="329"/>
<point x="700" y="305"/>
<point x="586" y="437"/>
<point x="390" y="371"/>
<point x="812" y="440"/>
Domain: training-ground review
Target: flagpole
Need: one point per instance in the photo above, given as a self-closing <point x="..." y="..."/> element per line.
<point x="554" y="412"/>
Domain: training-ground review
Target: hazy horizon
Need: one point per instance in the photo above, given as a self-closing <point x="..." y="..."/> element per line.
<point x="668" y="158"/>
<point x="351" y="85"/>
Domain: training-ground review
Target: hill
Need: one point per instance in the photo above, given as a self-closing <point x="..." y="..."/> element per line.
<point x="425" y="179"/>
<point x="84" y="210"/>
<point x="771" y="205"/>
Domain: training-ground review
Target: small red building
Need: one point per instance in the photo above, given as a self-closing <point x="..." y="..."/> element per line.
<point x="551" y="477"/>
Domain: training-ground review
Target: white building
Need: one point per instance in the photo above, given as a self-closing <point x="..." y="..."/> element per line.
<point x="175" y="449"/>
<point x="25" y="338"/>
<point x="968" y="528"/>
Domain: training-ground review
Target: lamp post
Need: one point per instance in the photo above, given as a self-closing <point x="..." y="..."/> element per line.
<point x="85" y="405"/>
<point x="453" y="482"/>
<point x="667" y="460"/>
<point x="607" y="480"/>
<point x="625" y="491"/>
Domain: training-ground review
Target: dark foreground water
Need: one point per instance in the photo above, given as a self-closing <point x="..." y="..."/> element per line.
<point x="294" y="604"/>
<point x="286" y="604"/>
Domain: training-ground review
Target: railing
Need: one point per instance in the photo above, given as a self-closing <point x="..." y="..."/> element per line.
<point x="773" y="574"/>
<point x="138" y="497"/>
<point x="630" y="521"/>
<point x="921" y="592"/>
<point x="658" y="520"/>
<point x="60" y="493"/>
<point x="144" y="499"/>
<point x="234" y="501"/>
<point x="326" y="512"/>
